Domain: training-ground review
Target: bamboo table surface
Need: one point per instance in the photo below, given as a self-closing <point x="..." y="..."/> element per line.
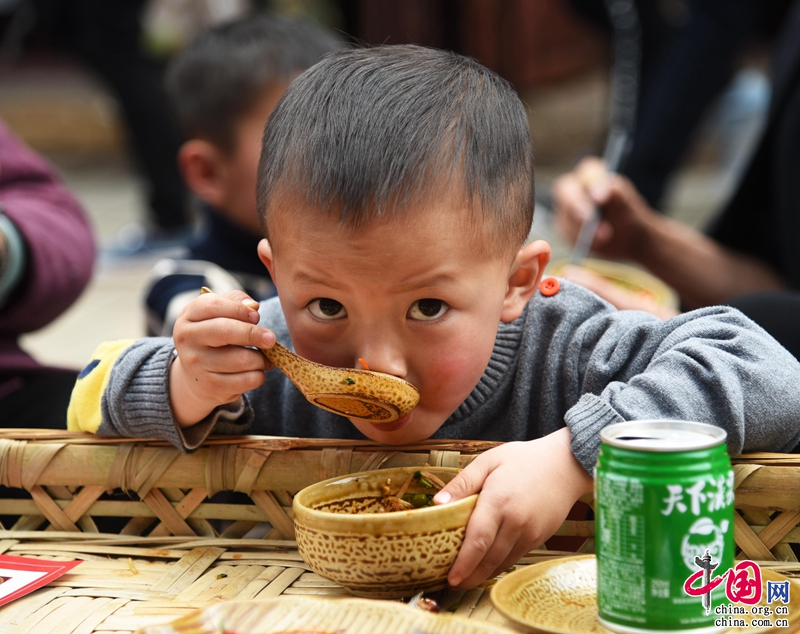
<point x="73" y="484"/>
<point x="125" y="583"/>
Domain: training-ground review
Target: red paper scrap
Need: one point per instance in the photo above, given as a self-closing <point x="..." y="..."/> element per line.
<point x="22" y="575"/>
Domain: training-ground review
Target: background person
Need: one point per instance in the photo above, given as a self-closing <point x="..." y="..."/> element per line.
<point x="46" y="256"/>
<point x="689" y="52"/>
<point x="223" y="87"/>
<point x="750" y="248"/>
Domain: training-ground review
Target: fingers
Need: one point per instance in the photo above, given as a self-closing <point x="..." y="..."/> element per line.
<point x="623" y="190"/>
<point x="479" y="540"/>
<point x="225" y="359"/>
<point x="626" y="216"/>
<point x="194" y="393"/>
<point x="484" y="522"/>
<point x="510" y="543"/>
<point x="573" y="205"/>
<point x="221" y="320"/>
<point x="227" y="387"/>
<point x="234" y="305"/>
<point x="215" y="337"/>
<point x="496" y="538"/>
<point x="517" y="553"/>
<point x="525" y="493"/>
<point x="218" y="332"/>
<point x="590" y="169"/>
<point x="487" y="542"/>
<point x="577" y="196"/>
<point x="468" y="482"/>
<point x="592" y="174"/>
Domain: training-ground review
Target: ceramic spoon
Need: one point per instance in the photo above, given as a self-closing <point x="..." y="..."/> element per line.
<point x="363" y="394"/>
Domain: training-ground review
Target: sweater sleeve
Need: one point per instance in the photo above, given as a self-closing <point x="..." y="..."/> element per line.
<point x="711" y="365"/>
<point x="136" y="400"/>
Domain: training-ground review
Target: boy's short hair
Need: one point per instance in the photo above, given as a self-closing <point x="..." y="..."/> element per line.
<point x="368" y="132"/>
<point x="219" y="76"/>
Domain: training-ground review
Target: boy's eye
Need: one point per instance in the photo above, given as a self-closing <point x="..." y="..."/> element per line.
<point x="427" y="309"/>
<point x="328" y="309"/>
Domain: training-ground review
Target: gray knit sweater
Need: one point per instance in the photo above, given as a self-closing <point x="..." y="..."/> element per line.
<point x="569" y="359"/>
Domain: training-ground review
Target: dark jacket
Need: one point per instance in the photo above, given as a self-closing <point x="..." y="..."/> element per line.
<point x="762" y="218"/>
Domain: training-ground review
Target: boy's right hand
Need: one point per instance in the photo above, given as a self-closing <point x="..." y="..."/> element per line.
<point x="214" y="366"/>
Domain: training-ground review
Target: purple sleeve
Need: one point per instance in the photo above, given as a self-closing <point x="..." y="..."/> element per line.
<point x="58" y="238"/>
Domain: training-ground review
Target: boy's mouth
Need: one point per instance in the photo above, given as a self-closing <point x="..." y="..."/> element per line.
<point x="394" y="425"/>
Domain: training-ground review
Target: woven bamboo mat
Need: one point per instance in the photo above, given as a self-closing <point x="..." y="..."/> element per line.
<point x="84" y="483"/>
<point x="125" y="583"/>
<point x="177" y="549"/>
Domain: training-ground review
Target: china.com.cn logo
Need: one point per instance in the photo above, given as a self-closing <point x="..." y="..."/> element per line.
<point x="743" y="586"/>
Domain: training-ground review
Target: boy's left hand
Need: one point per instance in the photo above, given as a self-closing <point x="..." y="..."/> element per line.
<point x="526" y="491"/>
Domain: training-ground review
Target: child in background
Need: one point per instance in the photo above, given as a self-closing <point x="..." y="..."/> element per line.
<point x="396" y="194"/>
<point x="223" y="87"/>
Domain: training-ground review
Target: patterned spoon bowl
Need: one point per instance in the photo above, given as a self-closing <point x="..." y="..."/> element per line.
<point x="361" y="394"/>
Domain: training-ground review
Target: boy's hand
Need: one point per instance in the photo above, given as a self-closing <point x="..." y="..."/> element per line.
<point x="213" y="366"/>
<point x="626" y="215"/>
<point x="526" y="491"/>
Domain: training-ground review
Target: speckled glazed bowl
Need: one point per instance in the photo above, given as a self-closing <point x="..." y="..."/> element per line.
<point x="385" y="555"/>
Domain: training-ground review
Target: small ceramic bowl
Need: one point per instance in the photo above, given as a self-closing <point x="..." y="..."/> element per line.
<point x="384" y="555"/>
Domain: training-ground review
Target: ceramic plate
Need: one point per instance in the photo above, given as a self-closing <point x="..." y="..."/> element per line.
<point x="628" y="277"/>
<point x="560" y="597"/>
<point x="311" y="615"/>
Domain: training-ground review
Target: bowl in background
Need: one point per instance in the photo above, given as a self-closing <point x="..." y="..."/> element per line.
<point x="627" y="277"/>
<point x="384" y="555"/>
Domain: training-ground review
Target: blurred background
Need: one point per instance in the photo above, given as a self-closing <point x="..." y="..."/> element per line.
<point x="70" y="90"/>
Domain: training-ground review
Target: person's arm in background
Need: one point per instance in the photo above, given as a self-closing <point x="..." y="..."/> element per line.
<point x="702" y="271"/>
<point x="12" y="258"/>
<point x="55" y="248"/>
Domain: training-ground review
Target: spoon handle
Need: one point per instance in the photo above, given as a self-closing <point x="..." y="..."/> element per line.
<point x="286" y="361"/>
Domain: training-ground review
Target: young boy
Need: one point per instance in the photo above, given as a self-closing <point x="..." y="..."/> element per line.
<point x="396" y="193"/>
<point x="223" y="87"/>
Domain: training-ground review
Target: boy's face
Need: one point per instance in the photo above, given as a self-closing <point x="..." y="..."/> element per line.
<point x="408" y="296"/>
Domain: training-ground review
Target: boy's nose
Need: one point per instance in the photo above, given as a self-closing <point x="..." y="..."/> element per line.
<point x="382" y="358"/>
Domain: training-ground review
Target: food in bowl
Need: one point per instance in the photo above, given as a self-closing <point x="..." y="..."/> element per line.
<point x="405" y="498"/>
<point x="627" y="278"/>
<point x="346" y="533"/>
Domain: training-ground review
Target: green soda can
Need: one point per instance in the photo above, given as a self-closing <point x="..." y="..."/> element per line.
<point x="664" y="511"/>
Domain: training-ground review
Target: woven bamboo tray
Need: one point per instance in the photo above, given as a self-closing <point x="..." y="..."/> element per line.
<point x="174" y="549"/>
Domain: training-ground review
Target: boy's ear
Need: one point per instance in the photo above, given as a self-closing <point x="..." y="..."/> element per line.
<point x="524" y="277"/>
<point x="266" y="257"/>
<point x="203" y="171"/>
